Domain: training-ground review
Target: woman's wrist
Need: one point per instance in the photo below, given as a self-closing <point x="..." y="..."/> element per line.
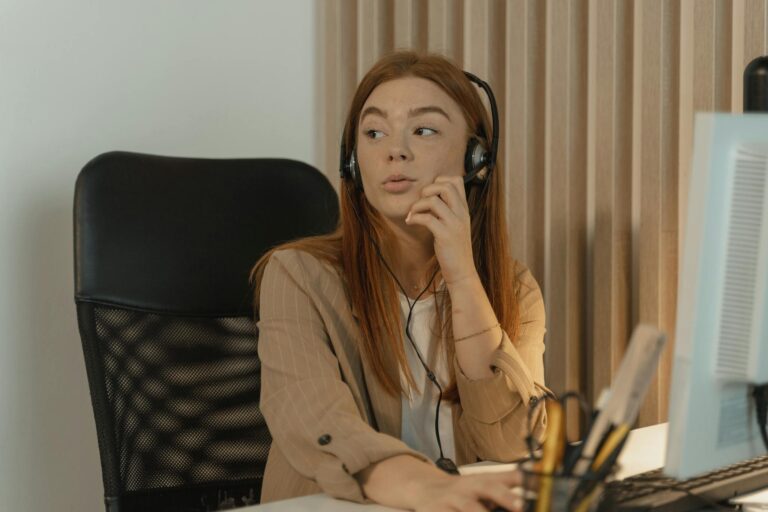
<point x="411" y="476"/>
<point x="420" y="487"/>
<point x="470" y="280"/>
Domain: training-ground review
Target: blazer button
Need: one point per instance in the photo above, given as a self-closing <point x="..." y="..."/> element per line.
<point x="324" y="439"/>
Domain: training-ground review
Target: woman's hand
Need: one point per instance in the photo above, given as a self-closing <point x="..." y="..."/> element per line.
<point x="470" y="493"/>
<point x="406" y="482"/>
<point x="443" y="210"/>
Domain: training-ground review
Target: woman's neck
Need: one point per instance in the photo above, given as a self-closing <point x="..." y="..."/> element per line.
<point x="415" y="248"/>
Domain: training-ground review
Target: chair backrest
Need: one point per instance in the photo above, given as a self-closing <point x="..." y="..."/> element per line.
<point x="163" y="250"/>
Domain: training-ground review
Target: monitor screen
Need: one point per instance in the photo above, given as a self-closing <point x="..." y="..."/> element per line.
<point x="721" y="338"/>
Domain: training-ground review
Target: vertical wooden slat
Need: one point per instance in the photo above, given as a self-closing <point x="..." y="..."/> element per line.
<point x="375" y="32"/>
<point x="737" y="56"/>
<point x="621" y="326"/>
<point x="565" y="168"/>
<point x="445" y="28"/>
<point x="477" y="22"/>
<point x="668" y="182"/>
<point x="657" y="236"/>
<point x="755" y="30"/>
<point x="534" y="126"/>
<point x="514" y="136"/>
<point x="496" y="75"/>
<point x="609" y="171"/>
<point x="648" y="167"/>
<point x="347" y="55"/>
<point x="576" y="279"/>
<point x="704" y="68"/>
<point x="685" y="113"/>
<point x="556" y="140"/>
<point x="601" y="145"/>
<point x="410" y="24"/>
<point x="496" y="78"/>
<point x="592" y="345"/>
<point x="421" y="25"/>
<point x="339" y="28"/>
<point x="403" y="22"/>
<point x="723" y="48"/>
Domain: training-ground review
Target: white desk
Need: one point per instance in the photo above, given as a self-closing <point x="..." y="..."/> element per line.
<point x="644" y="451"/>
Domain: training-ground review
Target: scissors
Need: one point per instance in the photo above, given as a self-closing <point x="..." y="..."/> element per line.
<point x="572" y="450"/>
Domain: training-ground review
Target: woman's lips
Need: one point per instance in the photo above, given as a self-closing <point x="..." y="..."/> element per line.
<point x="397" y="186"/>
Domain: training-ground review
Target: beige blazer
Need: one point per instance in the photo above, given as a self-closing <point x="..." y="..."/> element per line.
<point x="329" y="416"/>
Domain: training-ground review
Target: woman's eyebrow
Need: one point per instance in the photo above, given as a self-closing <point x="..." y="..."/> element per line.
<point x="411" y="113"/>
<point x="373" y="110"/>
<point x="427" y="110"/>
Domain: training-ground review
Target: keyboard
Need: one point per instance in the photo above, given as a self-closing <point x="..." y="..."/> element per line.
<point x="655" y="491"/>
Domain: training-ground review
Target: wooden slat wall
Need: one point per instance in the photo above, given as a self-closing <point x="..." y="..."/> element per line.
<point x="597" y="99"/>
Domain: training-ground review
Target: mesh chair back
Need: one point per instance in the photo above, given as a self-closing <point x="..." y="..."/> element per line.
<point x="163" y="249"/>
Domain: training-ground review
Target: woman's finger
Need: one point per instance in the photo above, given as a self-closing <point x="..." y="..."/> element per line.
<point x="435" y="205"/>
<point x="446" y="193"/>
<point x="427" y="220"/>
<point x="457" y="182"/>
<point x="501" y="495"/>
<point x="513" y="478"/>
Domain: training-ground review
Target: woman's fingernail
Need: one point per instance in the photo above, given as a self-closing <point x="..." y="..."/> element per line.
<point x="408" y="218"/>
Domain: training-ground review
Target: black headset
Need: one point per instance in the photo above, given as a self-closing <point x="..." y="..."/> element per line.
<point x="476" y="158"/>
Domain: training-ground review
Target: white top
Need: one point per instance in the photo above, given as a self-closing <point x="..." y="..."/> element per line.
<point x="418" y="412"/>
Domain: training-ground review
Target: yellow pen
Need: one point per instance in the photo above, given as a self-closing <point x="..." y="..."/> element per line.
<point x="552" y="456"/>
<point x="586" y="502"/>
<point x="612" y="441"/>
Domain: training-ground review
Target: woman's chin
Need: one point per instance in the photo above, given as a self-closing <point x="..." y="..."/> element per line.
<point x="397" y="218"/>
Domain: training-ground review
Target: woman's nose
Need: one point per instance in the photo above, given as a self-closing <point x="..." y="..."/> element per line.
<point x="399" y="152"/>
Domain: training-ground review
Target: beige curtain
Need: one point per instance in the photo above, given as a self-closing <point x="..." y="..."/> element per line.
<point x="597" y="100"/>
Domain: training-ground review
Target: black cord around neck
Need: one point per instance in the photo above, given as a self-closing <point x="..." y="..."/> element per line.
<point x="443" y="462"/>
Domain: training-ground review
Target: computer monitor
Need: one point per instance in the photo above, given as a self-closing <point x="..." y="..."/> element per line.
<point x="721" y="340"/>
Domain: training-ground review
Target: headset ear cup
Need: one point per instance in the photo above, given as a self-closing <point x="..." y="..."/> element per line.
<point x="354" y="170"/>
<point x="475" y="158"/>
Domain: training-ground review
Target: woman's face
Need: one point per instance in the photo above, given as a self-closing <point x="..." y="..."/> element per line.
<point x="409" y="133"/>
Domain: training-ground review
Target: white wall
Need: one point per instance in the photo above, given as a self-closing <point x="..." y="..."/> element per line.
<point x="77" y="78"/>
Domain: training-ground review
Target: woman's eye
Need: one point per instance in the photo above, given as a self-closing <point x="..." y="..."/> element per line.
<point x="425" y="131"/>
<point x="374" y="134"/>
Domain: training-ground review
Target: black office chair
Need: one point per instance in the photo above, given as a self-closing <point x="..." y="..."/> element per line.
<point x="163" y="250"/>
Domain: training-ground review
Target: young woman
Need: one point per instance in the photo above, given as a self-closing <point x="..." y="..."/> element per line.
<point x="416" y="283"/>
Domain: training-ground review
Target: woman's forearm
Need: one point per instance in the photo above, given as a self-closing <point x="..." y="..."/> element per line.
<point x="472" y="313"/>
<point x="405" y="473"/>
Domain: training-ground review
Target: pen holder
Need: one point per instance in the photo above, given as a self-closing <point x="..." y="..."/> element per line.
<point x="558" y="492"/>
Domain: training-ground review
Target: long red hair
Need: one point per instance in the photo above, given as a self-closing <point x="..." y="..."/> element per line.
<point x="371" y="290"/>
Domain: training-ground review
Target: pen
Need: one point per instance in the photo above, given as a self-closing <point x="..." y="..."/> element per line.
<point x="584" y="505"/>
<point x="614" y="439"/>
<point x="552" y="456"/>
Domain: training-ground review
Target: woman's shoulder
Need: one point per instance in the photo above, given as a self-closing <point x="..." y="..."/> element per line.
<point x="303" y="265"/>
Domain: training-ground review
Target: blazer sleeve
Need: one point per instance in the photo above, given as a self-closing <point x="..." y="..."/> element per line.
<point x="309" y="410"/>
<point x="495" y="409"/>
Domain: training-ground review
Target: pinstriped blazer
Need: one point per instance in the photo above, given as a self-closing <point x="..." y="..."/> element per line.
<point x="328" y="414"/>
